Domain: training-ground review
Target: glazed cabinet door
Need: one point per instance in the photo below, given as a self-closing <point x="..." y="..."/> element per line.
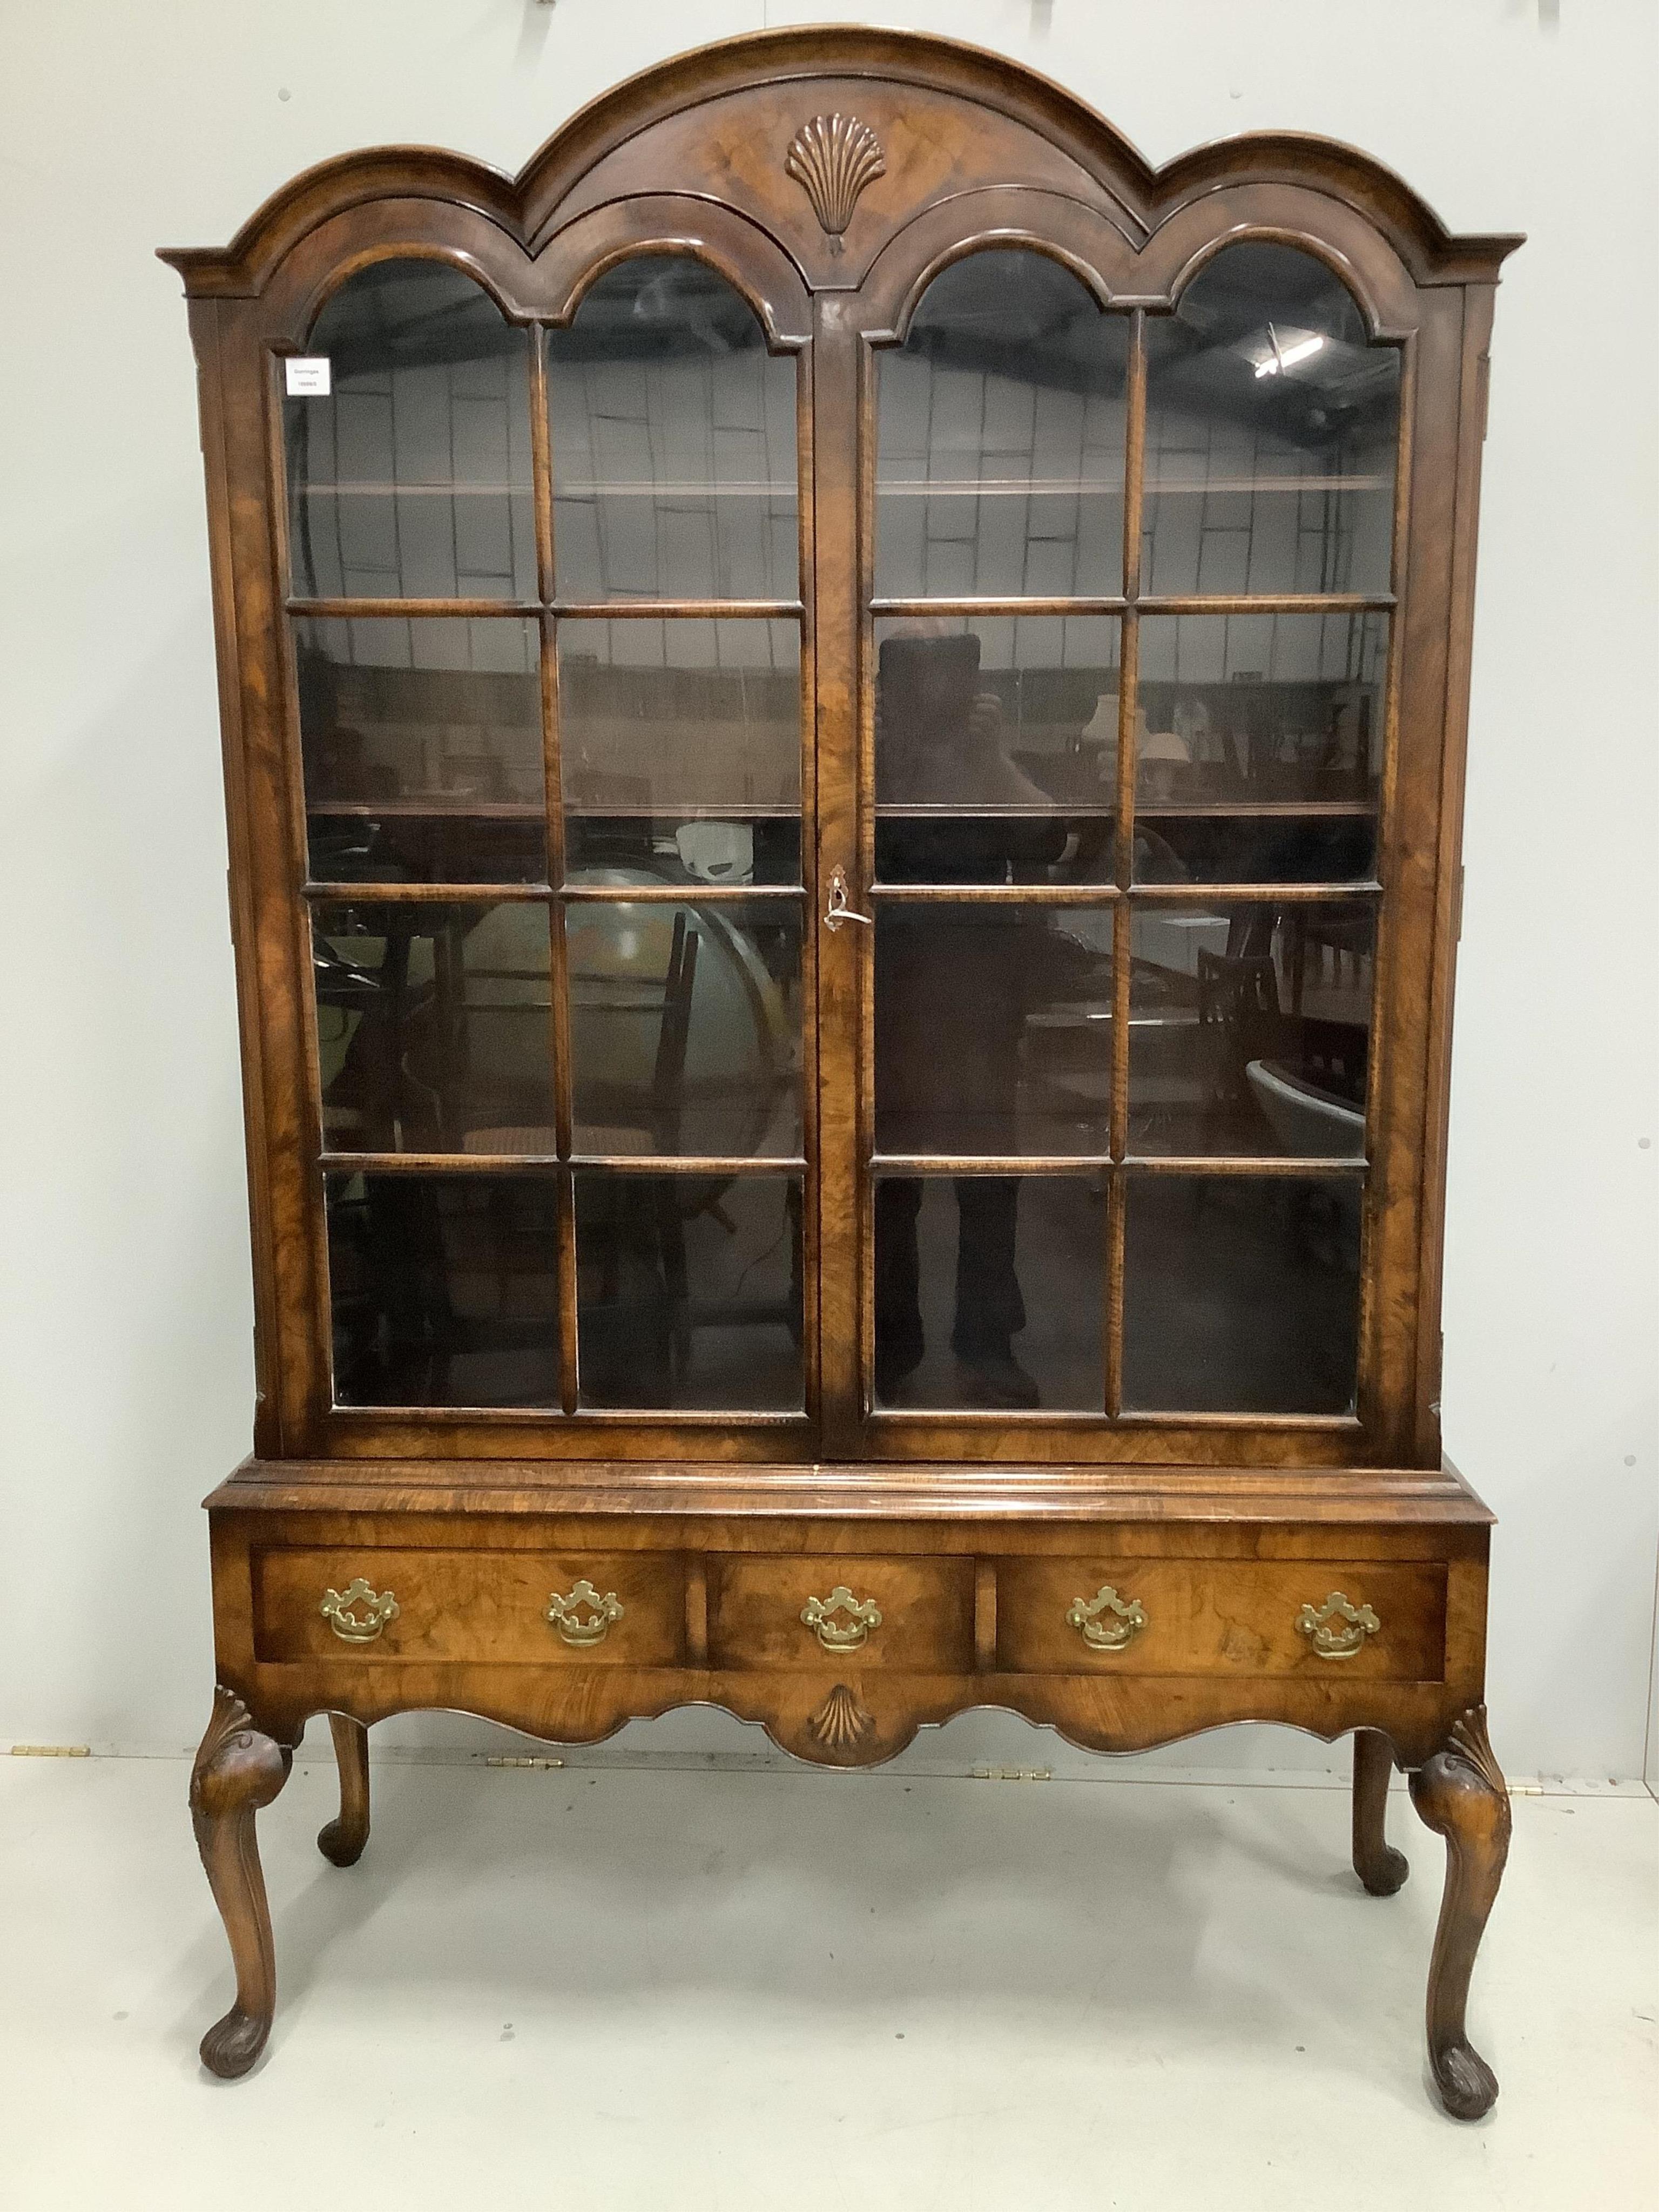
<point x="855" y="861"/>
<point x="1121" y="586"/>
<point x="551" y="653"/>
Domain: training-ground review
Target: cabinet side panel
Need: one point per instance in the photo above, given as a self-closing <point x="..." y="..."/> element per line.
<point x="205" y="321"/>
<point x="267" y="856"/>
<point x="1478" y="299"/>
<point x="1411" y="864"/>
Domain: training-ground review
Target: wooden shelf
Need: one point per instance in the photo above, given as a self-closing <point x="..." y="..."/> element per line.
<point x="366" y="490"/>
<point x="713" y="810"/>
<point x="1297" y="810"/>
<point x="1163" y="809"/>
<point x="999" y="487"/>
<point x="436" y="808"/>
<point x="1081" y="488"/>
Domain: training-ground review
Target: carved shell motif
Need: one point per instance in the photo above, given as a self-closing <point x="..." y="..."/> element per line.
<point x="832" y="159"/>
<point x="840" y="1724"/>
<point x="1471" y="1743"/>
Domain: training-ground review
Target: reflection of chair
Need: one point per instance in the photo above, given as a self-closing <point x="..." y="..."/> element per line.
<point x="638" y="1315"/>
<point x="1238" y="990"/>
<point x="461" y="1075"/>
<point x="1346" y="936"/>
<point x="621" y="1218"/>
<point x="359" y="1103"/>
<point x="1309" y="1123"/>
<point x="428" y="1270"/>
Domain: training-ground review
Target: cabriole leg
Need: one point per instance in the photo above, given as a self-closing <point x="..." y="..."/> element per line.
<point x="1378" y="1865"/>
<point x="1461" y="1794"/>
<point x="238" y="1770"/>
<point x="341" y="1841"/>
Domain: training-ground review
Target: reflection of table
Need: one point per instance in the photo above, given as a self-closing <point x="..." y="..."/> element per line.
<point x="1174" y="941"/>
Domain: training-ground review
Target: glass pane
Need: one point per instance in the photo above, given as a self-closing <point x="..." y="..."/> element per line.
<point x="1258" y="747"/>
<point x="432" y="1027"/>
<point x="666" y="849"/>
<point x="673" y="436"/>
<point x="691" y="720"/>
<point x="689" y="1291"/>
<point x="1000" y="465"/>
<point x="1271" y="428"/>
<point x="994" y="1028"/>
<point x="422" y="743"/>
<point x="1241" y="1293"/>
<point x="1249" y="1030"/>
<point x="685" y="1026"/>
<point x="411" y="477"/>
<point x="988" y="1292"/>
<point x="445" y="1289"/>
<point x="996" y="750"/>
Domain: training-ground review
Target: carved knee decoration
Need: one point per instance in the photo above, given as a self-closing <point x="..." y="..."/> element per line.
<point x="238" y="1770"/>
<point x="1461" y="1794"/>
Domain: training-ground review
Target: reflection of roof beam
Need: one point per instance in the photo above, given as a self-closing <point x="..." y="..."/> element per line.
<point x="1037" y="361"/>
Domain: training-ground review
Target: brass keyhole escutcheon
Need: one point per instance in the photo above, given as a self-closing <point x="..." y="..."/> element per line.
<point x="1337" y="1629"/>
<point x="358" y="1614"/>
<point x="1105" y="1622"/>
<point x="839" y="908"/>
<point x="582" y="1617"/>
<point x="840" y="1621"/>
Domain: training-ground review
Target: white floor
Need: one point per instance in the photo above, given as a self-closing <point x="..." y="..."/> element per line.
<point x="622" y="1988"/>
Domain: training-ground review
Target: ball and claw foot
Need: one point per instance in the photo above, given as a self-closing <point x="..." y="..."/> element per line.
<point x="1461" y="1794"/>
<point x="237" y="1771"/>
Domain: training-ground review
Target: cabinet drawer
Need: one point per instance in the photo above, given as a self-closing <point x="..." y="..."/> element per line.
<point x="1226" y="1617"/>
<point x="472" y="1605"/>
<point x="925" y="1608"/>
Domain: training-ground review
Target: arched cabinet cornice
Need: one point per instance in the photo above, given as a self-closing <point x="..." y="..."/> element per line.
<point x="548" y="287"/>
<point x="1154" y="276"/>
<point x="726" y="117"/>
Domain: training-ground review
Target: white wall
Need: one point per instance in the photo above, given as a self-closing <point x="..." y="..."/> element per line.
<point x="125" y="1370"/>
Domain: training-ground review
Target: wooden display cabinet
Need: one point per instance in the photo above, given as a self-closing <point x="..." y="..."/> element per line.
<point x="843" y="718"/>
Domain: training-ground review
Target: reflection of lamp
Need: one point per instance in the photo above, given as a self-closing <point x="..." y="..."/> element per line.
<point x="1158" y="758"/>
<point x="1101" y="729"/>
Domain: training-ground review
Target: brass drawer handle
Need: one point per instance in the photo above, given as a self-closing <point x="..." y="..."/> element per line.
<point x="1354" y="1624"/>
<point x="1105" y="1622"/>
<point x="352" y="1627"/>
<point x="862" y="1615"/>
<point x="584" y="1617"/>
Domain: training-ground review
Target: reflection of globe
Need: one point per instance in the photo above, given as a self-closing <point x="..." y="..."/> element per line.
<point x="737" y="1048"/>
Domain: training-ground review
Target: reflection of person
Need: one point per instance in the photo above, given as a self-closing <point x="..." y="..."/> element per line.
<point x="948" y="1030"/>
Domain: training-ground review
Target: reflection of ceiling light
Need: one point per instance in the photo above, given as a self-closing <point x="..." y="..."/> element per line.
<point x="1287" y="356"/>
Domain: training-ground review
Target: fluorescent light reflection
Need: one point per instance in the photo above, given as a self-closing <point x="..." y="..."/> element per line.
<point x="1287" y="356"/>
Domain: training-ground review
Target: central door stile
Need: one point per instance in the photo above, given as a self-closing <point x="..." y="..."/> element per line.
<point x="839" y="442"/>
